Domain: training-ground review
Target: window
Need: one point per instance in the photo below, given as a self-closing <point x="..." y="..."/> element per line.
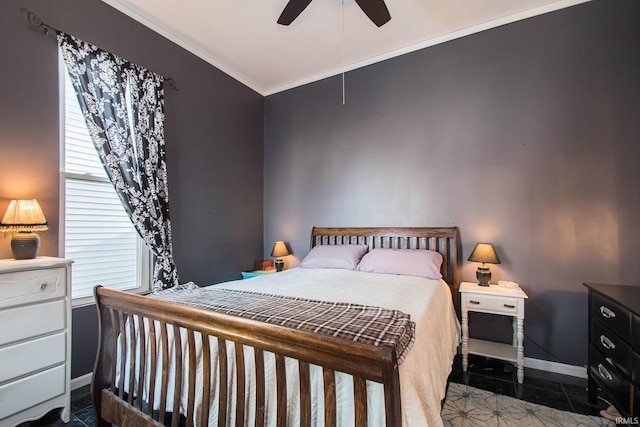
<point x="98" y="234"/>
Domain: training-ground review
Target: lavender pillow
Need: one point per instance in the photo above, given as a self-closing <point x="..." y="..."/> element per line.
<point x="334" y="256"/>
<point x="409" y="262"/>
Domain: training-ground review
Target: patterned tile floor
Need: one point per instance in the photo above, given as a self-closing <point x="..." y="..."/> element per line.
<point x="558" y="391"/>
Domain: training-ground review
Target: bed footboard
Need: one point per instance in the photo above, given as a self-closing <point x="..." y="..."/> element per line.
<point x="144" y="373"/>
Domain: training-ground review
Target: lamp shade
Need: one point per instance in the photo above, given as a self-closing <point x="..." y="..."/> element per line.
<point x="24" y="216"/>
<point x="484" y="252"/>
<point x="279" y="250"/>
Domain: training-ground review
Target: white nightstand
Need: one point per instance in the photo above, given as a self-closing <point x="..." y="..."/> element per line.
<point x="493" y="299"/>
<point x="256" y="273"/>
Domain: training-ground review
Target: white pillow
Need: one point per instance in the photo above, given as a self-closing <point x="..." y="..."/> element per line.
<point x="334" y="256"/>
<point x="409" y="262"/>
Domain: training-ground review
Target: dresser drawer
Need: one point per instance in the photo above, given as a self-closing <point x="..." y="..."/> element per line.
<point x="29" y="391"/>
<point x="490" y="304"/>
<point x="23" y="323"/>
<point x="635" y="368"/>
<point x="612" y="347"/>
<point x="612" y="315"/>
<point x="32" y="356"/>
<point x="635" y="333"/>
<point x="610" y="379"/>
<point x="25" y="287"/>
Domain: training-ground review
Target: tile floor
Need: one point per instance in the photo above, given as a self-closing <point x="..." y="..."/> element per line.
<point x="558" y="391"/>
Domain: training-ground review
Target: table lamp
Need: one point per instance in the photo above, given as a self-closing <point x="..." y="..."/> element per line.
<point x="279" y="250"/>
<point x="484" y="253"/>
<point x="24" y="218"/>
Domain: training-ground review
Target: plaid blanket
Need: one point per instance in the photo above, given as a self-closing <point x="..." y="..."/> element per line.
<point x="364" y="324"/>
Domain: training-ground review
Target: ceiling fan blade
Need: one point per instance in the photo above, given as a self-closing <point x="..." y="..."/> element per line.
<point x="292" y="10"/>
<point x="376" y="10"/>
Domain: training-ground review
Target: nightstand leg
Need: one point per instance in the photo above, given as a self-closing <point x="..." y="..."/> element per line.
<point x="465" y="339"/>
<point x="514" y="326"/>
<point x="520" y="333"/>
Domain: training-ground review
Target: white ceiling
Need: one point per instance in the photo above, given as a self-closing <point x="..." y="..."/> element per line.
<point x="242" y="38"/>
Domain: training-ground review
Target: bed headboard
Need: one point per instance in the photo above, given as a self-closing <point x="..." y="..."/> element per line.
<point x="443" y="240"/>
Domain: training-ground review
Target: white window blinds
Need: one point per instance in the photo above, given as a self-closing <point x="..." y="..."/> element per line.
<point x="98" y="235"/>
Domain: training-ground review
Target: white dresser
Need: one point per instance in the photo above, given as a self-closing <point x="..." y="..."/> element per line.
<point x="35" y="339"/>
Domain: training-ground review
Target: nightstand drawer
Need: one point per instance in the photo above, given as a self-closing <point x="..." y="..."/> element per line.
<point x="26" y="322"/>
<point x="31" y="356"/>
<point x="26" y="287"/>
<point x="612" y="315"/>
<point x="612" y="347"/>
<point x="486" y="304"/>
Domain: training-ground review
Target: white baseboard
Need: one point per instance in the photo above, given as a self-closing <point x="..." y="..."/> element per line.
<point x="558" y="368"/>
<point x="81" y="381"/>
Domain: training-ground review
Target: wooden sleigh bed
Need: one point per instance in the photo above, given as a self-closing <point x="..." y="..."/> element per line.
<point x="125" y="392"/>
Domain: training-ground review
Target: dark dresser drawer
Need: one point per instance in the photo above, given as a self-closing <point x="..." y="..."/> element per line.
<point x="635" y="369"/>
<point x="612" y="347"/>
<point x="612" y="315"/>
<point x="635" y="333"/>
<point x="611" y="379"/>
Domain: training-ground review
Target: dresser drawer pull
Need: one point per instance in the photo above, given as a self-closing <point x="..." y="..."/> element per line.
<point x="606" y="343"/>
<point x="43" y="286"/>
<point x="604" y="373"/>
<point x="509" y="305"/>
<point x="606" y="312"/>
<point x="474" y="302"/>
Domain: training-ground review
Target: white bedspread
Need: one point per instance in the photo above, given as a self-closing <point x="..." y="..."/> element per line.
<point x="423" y="374"/>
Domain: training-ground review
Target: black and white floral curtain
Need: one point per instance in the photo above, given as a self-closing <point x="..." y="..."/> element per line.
<point x="123" y="107"/>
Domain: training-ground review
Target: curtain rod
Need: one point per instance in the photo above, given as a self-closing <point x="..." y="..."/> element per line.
<point x="37" y="23"/>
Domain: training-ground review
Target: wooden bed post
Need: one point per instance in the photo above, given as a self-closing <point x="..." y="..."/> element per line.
<point x="392" y="401"/>
<point x="104" y="361"/>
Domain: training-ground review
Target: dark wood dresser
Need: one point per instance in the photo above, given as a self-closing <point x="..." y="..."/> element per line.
<point x="614" y="346"/>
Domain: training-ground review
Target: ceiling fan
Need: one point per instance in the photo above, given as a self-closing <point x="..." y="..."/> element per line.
<point x="376" y="10"/>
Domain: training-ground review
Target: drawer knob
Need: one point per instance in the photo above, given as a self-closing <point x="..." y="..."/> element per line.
<point x="604" y="373"/>
<point x="606" y="343"/>
<point x="474" y="302"/>
<point x="509" y="305"/>
<point x="606" y="312"/>
<point x="43" y="286"/>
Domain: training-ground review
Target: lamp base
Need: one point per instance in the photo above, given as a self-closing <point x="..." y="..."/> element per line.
<point x="483" y="274"/>
<point x="279" y="264"/>
<point x="25" y="245"/>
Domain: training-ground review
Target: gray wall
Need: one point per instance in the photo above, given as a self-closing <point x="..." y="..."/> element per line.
<point x="213" y="130"/>
<point x="526" y="136"/>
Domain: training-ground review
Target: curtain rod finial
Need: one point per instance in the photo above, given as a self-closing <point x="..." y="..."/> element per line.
<point x="171" y="83"/>
<point x="36" y="22"/>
